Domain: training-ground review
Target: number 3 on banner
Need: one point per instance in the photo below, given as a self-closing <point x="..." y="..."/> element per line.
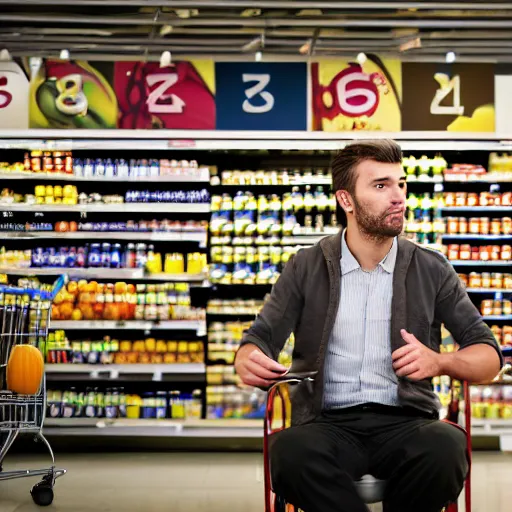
<point x="259" y="88"/>
<point x="5" y="96"/>
<point x="159" y="95"/>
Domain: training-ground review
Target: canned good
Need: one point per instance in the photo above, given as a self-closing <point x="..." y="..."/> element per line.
<point x="506" y="252"/>
<point x="472" y="199"/>
<point x="484" y="225"/>
<point x="465" y="252"/>
<point x="474" y="226"/>
<point x="496" y="280"/>
<point x="486" y="307"/>
<point x="463" y="225"/>
<point x="506" y="225"/>
<point x="453" y="251"/>
<point x="475" y="280"/>
<point x="453" y="225"/>
<point x="497" y="307"/>
<point x="486" y="280"/>
<point x="496" y="227"/>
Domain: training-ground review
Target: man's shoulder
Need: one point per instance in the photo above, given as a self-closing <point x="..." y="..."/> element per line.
<point x="428" y="255"/>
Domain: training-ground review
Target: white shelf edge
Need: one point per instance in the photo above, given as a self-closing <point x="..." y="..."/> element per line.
<point x="128" y="369"/>
<point x="469" y="263"/>
<point x="475" y="208"/>
<point x="497" y="317"/>
<point x="185" y="325"/>
<point x="101" y="208"/>
<point x="202" y="178"/>
<point x="477" y="237"/>
<point x="488" y="290"/>
<point x="155" y="236"/>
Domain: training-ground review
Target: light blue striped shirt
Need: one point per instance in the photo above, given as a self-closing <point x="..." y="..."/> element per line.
<point x="358" y="367"/>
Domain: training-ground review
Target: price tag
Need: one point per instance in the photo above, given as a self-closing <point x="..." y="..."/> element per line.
<point x="157" y="376"/>
<point x="114" y="374"/>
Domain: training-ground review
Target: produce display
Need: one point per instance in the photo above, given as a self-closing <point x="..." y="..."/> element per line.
<point x="68" y="195"/>
<point x="63" y="162"/>
<point x="113" y="403"/>
<point x="83" y="300"/>
<point x="109" y="350"/>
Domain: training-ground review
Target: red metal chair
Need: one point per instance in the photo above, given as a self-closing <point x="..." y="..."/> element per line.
<point x="371" y="490"/>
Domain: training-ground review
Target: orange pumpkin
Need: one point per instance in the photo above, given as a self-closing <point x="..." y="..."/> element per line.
<point x="25" y="370"/>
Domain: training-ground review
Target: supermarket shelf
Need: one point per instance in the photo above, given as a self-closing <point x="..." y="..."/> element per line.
<point x="104" y="208"/>
<point x="169" y="325"/>
<point x="497" y="317"/>
<point x="477" y="237"/>
<point x="303" y="180"/>
<point x="203" y="177"/>
<point x="470" y="263"/>
<point x="105" y="273"/>
<point x="66" y="140"/>
<point x="155" y="372"/>
<point x="154" y="428"/>
<point x="488" y="290"/>
<point x="153" y="236"/>
<point x="489" y="209"/>
<point x="303" y="239"/>
<point x="475" y="178"/>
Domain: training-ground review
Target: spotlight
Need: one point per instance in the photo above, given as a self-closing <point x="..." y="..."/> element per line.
<point x="451" y="57"/>
<point x="258" y="56"/>
<point x="165" y="59"/>
<point x="64" y="54"/>
<point x="361" y="58"/>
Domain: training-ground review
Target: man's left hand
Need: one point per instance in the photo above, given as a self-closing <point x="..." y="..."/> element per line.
<point x="415" y="360"/>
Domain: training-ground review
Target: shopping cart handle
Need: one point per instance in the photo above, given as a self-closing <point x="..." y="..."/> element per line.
<point x="58" y="285"/>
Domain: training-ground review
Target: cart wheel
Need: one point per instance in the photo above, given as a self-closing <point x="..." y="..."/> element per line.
<point x="42" y="494"/>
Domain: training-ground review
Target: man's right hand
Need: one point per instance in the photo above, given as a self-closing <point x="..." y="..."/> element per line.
<point x="257" y="369"/>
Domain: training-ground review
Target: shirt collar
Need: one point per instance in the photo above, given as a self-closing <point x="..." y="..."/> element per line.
<point x="349" y="262"/>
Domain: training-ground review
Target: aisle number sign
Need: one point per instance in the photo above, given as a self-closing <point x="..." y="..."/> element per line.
<point x="261" y="96"/>
<point x="14" y="91"/>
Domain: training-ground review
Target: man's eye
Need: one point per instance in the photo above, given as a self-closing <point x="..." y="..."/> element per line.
<point x="380" y="185"/>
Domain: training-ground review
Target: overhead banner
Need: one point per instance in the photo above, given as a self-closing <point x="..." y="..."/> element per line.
<point x="14" y="90"/>
<point x="453" y="97"/>
<point x="261" y="96"/>
<point x="348" y="96"/>
<point x="178" y="96"/>
<point x="72" y="94"/>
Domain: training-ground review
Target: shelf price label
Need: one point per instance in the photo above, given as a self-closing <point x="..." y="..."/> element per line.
<point x="261" y="96"/>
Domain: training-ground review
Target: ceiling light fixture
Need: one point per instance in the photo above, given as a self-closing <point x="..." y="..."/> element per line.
<point x="451" y="57"/>
<point x="64" y="55"/>
<point x="165" y="59"/>
<point x="258" y="56"/>
<point x="166" y="30"/>
<point x="361" y="58"/>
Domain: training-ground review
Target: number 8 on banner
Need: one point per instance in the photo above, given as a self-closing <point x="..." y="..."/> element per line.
<point x="14" y="93"/>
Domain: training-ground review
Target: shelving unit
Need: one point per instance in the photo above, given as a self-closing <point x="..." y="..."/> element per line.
<point x="225" y="150"/>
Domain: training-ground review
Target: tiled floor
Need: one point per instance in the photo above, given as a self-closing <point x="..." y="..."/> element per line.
<point x="194" y="482"/>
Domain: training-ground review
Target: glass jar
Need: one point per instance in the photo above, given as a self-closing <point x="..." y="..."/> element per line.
<point x="497" y="307"/>
<point x="507" y="307"/>
<point x="472" y="199"/>
<point x="506" y="199"/>
<point x="453" y="225"/>
<point x="485" y="198"/>
<point x="506" y="225"/>
<point x="507" y="281"/>
<point x="461" y="198"/>
<point x="495" y="253"/>
<point x="475" y="280"/>
<point x="486" y="308"/>
<point x="484" y="225"/>
<point x="475" y="254"/>
<point x="463" y="225"/>
<point x="496" y="226"/>
<point x="474" y="226"/>
<point x="464" y="280"/>
<point x="465" y="252"/>
<point x="506" y="252"/>
<point x="449" y="199"/>
<point x="486" y="280"/>
<point x="453" y="252"/>
<point x="496" y="280"/>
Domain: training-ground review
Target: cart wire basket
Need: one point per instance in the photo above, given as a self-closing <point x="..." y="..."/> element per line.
<point x="24" y="319"/>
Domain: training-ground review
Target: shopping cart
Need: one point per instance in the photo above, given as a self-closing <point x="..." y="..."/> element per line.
<point x="24" y="319"/>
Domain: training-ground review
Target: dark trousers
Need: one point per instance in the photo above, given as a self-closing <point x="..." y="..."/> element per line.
<point x="424" y="461"/>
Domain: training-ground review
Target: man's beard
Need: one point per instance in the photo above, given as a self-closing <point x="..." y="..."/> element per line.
<point x="376" y="226"/>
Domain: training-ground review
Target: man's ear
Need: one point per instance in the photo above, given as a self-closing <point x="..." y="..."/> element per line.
<point x="345" y="201"/>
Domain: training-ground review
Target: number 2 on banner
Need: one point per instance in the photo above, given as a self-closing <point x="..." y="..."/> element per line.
<point x="160" y="94"/>
<point x="259" y="88"/>
<point x="5" y="96"/>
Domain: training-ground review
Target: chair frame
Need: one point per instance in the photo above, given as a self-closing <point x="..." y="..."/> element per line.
<point x="276" y="391"/>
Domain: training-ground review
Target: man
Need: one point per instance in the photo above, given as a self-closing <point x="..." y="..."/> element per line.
<point x="366" y="307"/>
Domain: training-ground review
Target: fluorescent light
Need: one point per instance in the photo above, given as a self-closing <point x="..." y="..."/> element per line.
<point x="165" y="59"/>
<point x="361" y="58"/>
<point x="64" y="54"/>
<point x="258" y="56"/>
<point x="451" y="57"/>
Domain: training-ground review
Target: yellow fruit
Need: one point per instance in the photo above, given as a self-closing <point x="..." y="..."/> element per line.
<point x="76" y="315"/>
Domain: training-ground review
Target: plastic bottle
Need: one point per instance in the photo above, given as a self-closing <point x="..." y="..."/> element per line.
<point x="140" y="256"/>
<point x="115" y="256"/>
<point x="129" y="256"/>
<point x="105" y="255"/>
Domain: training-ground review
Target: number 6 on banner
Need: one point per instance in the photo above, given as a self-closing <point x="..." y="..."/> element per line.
<point x="159" y="94"/>
<point x="259" y="88"/>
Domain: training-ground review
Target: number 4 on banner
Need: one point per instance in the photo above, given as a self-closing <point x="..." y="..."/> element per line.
<point x="447" y="86"/>
<point x="259" y="88"/>
<point x="159" y="95"/>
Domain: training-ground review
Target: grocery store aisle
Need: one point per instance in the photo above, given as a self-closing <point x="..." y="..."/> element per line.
<point x="195" y="482"/>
